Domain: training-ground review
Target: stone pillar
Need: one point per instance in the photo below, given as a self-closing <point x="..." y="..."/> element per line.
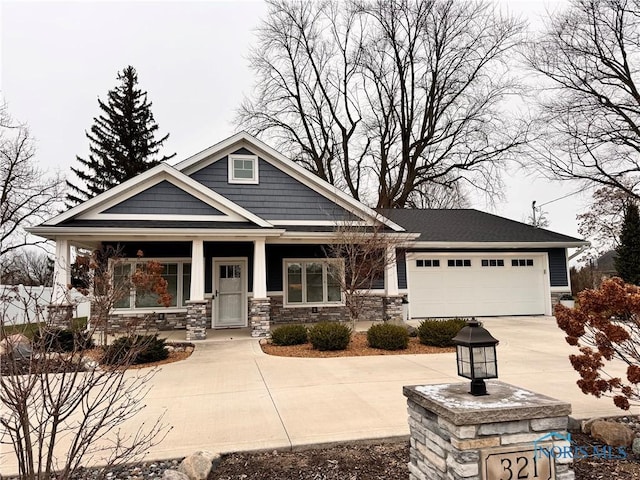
<point x="60" y="315"/>
<point x="197" y="320"/>
<point x="393" y="309"/>
<point x="260" y="317"/>
<point x="455" y="435"/>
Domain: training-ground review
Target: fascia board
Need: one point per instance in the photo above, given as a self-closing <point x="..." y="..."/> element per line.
<point x="504" y="245"/>
<point x="120" y="232"/>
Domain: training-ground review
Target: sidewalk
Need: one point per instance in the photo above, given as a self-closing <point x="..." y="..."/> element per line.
<point x="230" y="396"/>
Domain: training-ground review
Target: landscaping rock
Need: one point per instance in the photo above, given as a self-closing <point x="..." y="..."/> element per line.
<point x="586" y="425"/>
<point x="614" y="434"/>
<point x="635" y="447"/>
<point x="174" y="475"/>
<point x="12" y="342"/>
<point x="197" y="466"/>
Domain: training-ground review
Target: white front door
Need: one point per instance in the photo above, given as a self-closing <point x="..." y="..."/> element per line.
<point x="230" y="293"/>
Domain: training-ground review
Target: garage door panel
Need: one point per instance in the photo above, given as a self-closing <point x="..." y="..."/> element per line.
<point x="477" y="291"/>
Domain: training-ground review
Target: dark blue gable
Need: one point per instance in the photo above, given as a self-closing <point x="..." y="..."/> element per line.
<point x="164" y="198"/>
<point x="277" y="196"/>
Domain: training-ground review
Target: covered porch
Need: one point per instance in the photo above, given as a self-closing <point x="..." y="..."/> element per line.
<point x="231" y="282"/>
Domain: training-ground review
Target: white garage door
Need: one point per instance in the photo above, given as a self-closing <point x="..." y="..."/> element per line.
<point x="476" y="284"/>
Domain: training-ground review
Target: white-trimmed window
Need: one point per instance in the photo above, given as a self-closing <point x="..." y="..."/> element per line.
<point x="312" y="282"/>
<point x="243" y="169"/>
<point x="177" y="273"/>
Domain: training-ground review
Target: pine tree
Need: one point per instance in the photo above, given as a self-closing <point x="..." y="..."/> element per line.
<point x="628" y="252"/>
<point x="122" y="141"/>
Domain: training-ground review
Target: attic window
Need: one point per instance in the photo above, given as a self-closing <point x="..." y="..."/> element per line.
<point x="243" y="169"/>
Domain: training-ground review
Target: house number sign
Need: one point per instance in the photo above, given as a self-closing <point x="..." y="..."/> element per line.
<point x="516" y="463"/>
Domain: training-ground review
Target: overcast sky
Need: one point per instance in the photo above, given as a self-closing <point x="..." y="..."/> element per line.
<point x="57" y="58"/>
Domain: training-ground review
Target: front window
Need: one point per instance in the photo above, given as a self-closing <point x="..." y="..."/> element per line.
<point x="176" y="273"/>
<point x="312" y="281"/>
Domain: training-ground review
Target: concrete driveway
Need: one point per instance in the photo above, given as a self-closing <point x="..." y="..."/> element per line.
<point x="230" y="396"/>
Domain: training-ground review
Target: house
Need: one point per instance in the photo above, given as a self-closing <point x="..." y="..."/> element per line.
<point x="241" y="232"/>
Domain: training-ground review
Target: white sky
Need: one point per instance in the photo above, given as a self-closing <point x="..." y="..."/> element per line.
<point x="57" y="58"/>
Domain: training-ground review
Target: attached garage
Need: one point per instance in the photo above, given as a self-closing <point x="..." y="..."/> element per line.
<point x="477" y="284"/>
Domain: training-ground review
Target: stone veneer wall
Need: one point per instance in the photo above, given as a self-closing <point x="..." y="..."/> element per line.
<point x="373" y="309"/>
<point x="196" y="320"/>
<point x="151" y="321"/>
<point x="555" y="298"/>
<point x="451" y="429"/>
<point x="259" y="317"/>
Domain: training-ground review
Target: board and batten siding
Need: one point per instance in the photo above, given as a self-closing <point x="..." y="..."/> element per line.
<point x="277" y="196"/>
<point x="166" y="199"/>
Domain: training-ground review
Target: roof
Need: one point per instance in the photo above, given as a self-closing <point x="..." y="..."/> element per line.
<point x="472" y="226"/>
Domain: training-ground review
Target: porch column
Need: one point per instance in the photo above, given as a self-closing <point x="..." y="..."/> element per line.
<point x="259" y="269"/>
<point x="60" y="309"/>
<point x="197" y="270"/>
<point x="392" y="302"/>
<point x="391" y="272"/>
<point x="260" y="305"/>
<point x="197" y="305"/>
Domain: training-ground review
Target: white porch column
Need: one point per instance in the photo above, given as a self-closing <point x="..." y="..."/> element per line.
<point x="391" y="272"/>
<point x="259" y="269"/>
<point x="197" y="270"/>
<point x="61" y="272"/>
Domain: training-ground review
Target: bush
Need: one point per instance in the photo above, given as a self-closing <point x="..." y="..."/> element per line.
<point x="289" y="335"/>
<point x="330" y="336"/>
<point x="388" y="336"/>
<point x="439" y="333"/>
<point x="136" y="349"/>
<point x="62" y="339"/>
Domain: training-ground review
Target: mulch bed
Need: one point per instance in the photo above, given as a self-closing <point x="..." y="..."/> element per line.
<point x="357" y="347"/>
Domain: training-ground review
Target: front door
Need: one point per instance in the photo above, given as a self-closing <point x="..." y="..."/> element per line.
<point x="230" y="293"/>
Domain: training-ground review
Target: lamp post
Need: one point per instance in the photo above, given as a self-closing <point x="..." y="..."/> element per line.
<point x="476" y="356"/>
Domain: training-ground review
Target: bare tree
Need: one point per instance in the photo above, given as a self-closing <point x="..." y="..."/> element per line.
<point x="27" y="267"/>
<point x="590" y="103"/>
<point x="359" y="256"/>
<point x="391" y="95"/>
<point x="27" y="194"/>
<point x="61" y="412"/>
<point x="602" y="222"/>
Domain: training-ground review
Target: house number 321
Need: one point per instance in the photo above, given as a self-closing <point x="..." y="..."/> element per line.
<point x="520" y="470"/>
<point x="512" y="464"/>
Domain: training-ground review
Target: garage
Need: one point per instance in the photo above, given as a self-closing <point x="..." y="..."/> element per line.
<point x="477" y="284"/>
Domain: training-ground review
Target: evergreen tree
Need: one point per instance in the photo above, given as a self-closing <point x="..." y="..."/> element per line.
<point x="628" y="252"/>
<point x="122" y="141"/>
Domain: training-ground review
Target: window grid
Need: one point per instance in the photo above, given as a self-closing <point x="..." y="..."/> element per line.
<point x="428" y="263"/>
<point x="303" y="277"/>
<point x="177" y="274"/>
<point x="492" y="262"/>
<point x="243" y="169"/>
<point x="522" y="262"/>
<point x="458" y="262"/>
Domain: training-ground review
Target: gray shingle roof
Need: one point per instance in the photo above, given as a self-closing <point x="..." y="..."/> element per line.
<point x="469" y="225"/>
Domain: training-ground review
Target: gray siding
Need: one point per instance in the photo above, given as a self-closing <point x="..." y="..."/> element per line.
<point x="278" y="196"/>
<point x="558" y="267"/>
<point x="164" y="198"/>
<point x="401" y="269"/>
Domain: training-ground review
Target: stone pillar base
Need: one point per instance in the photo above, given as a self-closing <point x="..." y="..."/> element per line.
<point x="455" y="435"/>
<point x="196" y="320"/>
<point x="260" y="317"/>
<point x="393" y="309"/>
<point x="60" y="315"/>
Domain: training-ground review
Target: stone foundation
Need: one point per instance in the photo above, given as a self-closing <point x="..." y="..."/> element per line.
<point x="372" y="309"/>
<point x="555" y="298"/>
<point x="60" y="315"/>
<point x="455" y="435"/>
<point x="197" y="320"/>
<point x="259" y="317"/>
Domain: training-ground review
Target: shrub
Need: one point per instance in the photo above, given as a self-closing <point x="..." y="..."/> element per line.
<point x="62" y="339"/>
<point x="330" y="336"/>
<point x="388" y="336"/>
<point x="136" y="349"/>
<point x="439" y="333"/>
<point x="289" y="335"/>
